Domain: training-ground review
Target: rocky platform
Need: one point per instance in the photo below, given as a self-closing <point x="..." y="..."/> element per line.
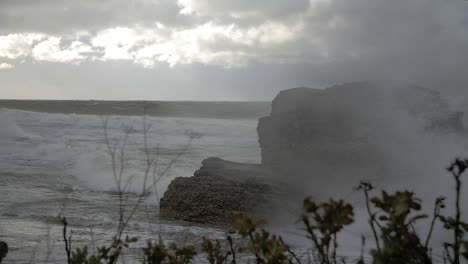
<point x="218" y="192"/>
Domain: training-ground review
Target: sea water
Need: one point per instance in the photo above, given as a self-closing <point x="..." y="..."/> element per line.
<point x="55" y="165"/>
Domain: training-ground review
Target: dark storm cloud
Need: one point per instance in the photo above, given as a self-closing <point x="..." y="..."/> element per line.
<point x="422" y="40"/>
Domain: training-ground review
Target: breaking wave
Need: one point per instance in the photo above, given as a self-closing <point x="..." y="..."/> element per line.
<point x="74" y="145"/>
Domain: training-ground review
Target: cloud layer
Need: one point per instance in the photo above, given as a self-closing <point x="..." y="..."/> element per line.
<point x="337" y="40"/>
<point x="234" y="33"/>
<point x="6" y="66"/>
<point x="208" y="43"/>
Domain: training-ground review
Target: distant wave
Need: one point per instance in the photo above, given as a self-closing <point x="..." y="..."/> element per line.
<point x="138" y="108"/>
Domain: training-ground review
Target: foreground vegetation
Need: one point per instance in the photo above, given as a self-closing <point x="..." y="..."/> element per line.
<point x="391" y="216"/>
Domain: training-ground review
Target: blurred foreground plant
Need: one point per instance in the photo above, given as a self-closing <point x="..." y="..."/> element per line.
<point x="267" y="248"/>
<point x="104" y="255"/>
<point x="215" y="252"/>
<point x="392" y="218"/>
<point x="323" y="222"/>
<point x="454" y="223"/>
<point x="3" y="250"/>
<point x="401" y="243"/>
<point x="158" y="253"/>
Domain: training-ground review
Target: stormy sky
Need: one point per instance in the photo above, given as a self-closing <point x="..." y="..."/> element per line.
<point x="225" y="49"/>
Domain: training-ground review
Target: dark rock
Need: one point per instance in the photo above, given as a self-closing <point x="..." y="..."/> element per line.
<point x="218" y="192"/>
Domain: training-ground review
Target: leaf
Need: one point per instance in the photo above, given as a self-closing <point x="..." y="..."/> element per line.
<point x="418" y="217"/>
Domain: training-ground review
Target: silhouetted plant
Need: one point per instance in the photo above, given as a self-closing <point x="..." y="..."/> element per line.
<point x="214" y="251"/>
<point x="392" y="218"/>
<point x="267" y="248"/>
<point x="3" y="250"/>
<point x="80" y="256"/>
<point x="363" y="246"/>
<point x="454" y="223"/>
<point x="231" y="248"/>
<point x="393" y="225"/>
<point x="104" y="255"/>
<point x="366" y="187"/>
<point x="158" y="253"/>
<point x="401" y="244"/>
<point x="438" y="206"/>
<point x="154" y="253"/>
<point x="67" y="239"/>
<point x="323" y="222"/>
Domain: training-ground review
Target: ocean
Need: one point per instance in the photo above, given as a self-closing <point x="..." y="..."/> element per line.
<point x="54" y="161"/>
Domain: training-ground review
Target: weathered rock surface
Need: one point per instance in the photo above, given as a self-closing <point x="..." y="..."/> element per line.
<point x="322" y="137"/>
<point x="218" y="192"/>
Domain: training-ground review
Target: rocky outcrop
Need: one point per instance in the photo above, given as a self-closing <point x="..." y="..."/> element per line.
<point x="322" y="142"/>
<point x="336" y="136"/>
<point x="218" y="192"/>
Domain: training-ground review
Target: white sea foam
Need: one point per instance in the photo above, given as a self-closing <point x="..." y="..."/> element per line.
<point x="74" y="145"/>
<point x="59" y="163"/>
<point x="9" y="129"/>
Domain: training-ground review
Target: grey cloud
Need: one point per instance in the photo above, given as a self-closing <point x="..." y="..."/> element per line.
<point x="244" y="12"/>
<point x="65" y="16"/>
<point x="422" y="41"/>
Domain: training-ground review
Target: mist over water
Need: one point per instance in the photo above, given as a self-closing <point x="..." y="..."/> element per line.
<point x="78" y="142"/>
<point x="59" y="163"/>
<point x="396" y="136"/>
